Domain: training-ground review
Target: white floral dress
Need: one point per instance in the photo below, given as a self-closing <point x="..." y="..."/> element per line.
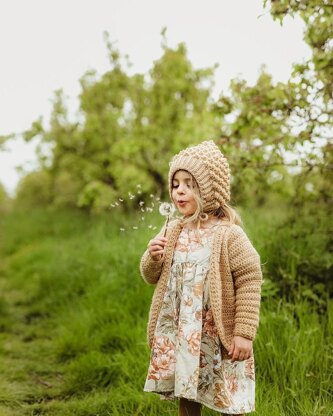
<point x="187" y="357"/>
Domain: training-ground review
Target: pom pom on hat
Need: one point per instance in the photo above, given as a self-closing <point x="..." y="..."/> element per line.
<point x="210" y="169"/>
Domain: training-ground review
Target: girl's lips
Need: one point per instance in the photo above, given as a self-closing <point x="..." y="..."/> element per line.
<point x="182" y="202"/>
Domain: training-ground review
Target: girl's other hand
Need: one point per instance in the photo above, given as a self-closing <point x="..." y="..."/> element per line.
<point x="156" y="247"/>
<point x="241" y="348"/>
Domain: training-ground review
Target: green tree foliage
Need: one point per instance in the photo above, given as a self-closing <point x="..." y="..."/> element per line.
<point x="34" y="189"/>
<point x="310" y="207"/>
<point x="5" y="201"/>
<point x="318" y="18"/>
<point x="314" y="87"/>
<point x="130" y="128"/>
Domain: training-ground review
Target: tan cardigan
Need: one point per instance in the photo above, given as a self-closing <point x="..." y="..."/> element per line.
<point x="235" y="279"/>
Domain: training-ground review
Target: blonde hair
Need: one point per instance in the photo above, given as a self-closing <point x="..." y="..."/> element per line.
<point x="226" y="212"/>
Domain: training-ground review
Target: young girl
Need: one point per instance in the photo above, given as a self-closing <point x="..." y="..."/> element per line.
<point x="205" y="308"/>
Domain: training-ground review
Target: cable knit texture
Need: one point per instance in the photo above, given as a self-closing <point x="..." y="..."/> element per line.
<point x="210" y="169"/>
<point x="235" y="279"/>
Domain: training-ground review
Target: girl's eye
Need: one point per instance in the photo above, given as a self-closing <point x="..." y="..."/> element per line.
<point x="176" y="186"/>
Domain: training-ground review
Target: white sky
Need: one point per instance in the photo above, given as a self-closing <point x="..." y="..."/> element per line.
<point x="48" y="44"/>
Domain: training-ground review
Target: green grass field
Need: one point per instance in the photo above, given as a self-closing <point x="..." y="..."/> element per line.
<point x="73" y="324"/>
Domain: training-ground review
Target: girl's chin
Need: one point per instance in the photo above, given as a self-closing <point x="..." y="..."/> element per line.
<point x="187" y="214"/>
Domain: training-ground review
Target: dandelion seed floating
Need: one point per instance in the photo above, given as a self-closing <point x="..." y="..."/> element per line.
<point x="166" y="209"/>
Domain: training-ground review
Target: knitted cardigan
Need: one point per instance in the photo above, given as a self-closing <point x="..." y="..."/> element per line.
<point x="235" y="279"/>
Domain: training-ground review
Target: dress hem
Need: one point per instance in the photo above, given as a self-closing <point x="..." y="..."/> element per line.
<point x="199" y="401"/>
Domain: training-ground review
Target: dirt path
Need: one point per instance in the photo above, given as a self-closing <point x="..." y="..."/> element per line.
<point x="30" y="378"/>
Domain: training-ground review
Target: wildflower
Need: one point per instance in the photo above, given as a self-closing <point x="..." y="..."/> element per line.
<point x="122" y="229"/>
<point x="141" y="203"/>
<point x="121" y="200"/>
<point x="134" y="227"/>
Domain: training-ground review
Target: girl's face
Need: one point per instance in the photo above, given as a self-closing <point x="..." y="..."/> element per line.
<point x="182" y="191"/>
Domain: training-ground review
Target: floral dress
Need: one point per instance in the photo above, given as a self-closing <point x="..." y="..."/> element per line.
<point x="187" y="357"/>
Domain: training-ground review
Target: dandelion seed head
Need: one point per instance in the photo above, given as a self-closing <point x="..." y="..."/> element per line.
<point x="166" y="208"/>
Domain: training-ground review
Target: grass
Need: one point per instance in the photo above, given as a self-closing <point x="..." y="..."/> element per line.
<point x="73" y="313"/>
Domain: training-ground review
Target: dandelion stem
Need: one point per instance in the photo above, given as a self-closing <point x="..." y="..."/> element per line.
<point x="166" y="226"/>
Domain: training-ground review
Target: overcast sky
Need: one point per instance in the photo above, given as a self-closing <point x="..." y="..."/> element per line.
<point x="46" y="45"/>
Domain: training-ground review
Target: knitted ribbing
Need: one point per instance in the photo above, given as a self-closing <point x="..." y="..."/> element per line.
<point x="235" y="279"/>
<point x="210" y="169"/>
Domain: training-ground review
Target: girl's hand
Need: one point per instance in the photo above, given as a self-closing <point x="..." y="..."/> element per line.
<point x="241" y="348"/>
<point x="156" y="247"/>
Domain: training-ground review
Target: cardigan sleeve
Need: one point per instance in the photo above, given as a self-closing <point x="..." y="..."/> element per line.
<point x="150" y="269"/>
<point x="247" y="276"/>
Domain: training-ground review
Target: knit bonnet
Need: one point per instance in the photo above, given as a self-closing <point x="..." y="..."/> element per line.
<point x="210" y="169"/>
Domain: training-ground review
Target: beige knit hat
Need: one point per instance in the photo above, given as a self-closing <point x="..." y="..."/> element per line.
<point x="210" y="169"/>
